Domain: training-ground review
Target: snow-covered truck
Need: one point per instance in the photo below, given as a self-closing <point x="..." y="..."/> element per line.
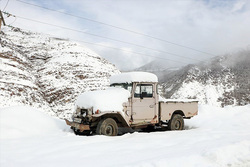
<point x="131" y="101"/>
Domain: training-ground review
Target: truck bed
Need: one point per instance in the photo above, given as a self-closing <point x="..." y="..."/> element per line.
<point x="186" y="107"/>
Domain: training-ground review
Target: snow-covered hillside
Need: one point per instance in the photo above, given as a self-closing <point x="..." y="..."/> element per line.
<point x="216" y="137"/>
<point x="221" y="81"/>
<point x="47" y="72"/>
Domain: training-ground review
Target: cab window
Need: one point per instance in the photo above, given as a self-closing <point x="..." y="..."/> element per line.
<point x="144" y="90"/>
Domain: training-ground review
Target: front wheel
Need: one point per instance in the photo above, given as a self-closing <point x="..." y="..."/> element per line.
<point x="107" y="127"/>
<point x="176" y="122"/>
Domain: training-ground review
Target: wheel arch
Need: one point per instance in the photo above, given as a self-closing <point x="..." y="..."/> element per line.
<point x="180" y="112"/>
<point x="116" y="116"/>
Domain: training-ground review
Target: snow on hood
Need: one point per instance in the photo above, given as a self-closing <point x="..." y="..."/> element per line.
<point x="110" y="99"/>
<point x="130" y="77"/>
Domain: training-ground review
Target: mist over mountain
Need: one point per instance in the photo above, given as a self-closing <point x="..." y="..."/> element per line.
<point x="221" y="81"/>
<point x="160" y="67"/>
<point x="46" y="72"/>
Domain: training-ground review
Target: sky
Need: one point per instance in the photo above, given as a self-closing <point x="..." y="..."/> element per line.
<point x="131" y="33"/>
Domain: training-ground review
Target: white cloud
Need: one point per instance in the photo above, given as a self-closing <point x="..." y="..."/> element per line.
<point x="211" y="26"/>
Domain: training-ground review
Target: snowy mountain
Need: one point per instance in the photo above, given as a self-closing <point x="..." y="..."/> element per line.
<point x="224" y="80"/>
<point x="159" y="67"/>
<point x="46" y="72"/>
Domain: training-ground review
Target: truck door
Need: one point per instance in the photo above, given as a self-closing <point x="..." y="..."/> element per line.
<point x="144" y="103"/>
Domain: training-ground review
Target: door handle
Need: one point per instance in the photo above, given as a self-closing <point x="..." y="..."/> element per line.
<point x="151" y="106"/>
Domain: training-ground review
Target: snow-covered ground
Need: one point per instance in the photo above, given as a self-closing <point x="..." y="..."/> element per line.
<point x="217" y="137"/>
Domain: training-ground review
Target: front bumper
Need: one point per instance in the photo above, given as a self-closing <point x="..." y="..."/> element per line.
<point x="78" y="126"/>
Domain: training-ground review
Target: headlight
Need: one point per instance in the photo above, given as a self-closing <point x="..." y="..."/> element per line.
<point x="84" y="114"/>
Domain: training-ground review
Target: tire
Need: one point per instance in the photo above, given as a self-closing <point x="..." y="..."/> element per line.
<point x="176" y="122"/>
<point x="107" y="127"/>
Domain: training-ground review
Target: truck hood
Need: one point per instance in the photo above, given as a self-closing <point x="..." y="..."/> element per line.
<point x="110" y="99"/>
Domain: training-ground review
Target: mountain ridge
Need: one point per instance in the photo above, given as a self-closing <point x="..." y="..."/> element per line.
<point x="47" y="72"/>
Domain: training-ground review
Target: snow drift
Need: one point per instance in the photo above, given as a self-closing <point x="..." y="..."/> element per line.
<point x="20" y="121"/>
<point x="217" y="137"/>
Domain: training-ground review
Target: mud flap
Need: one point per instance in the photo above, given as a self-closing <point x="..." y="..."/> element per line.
<point x="78" y="126"/>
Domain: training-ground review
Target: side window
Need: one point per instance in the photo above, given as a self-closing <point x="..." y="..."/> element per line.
<point x="144" y="90"/>
<point x="130" y="88"/>
<point x="137" y="90"/>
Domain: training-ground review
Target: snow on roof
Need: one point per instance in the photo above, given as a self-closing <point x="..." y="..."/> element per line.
<point x="130" y="77"/>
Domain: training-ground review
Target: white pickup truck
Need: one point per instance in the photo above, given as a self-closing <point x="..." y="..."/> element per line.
<point x="131" y="101"/>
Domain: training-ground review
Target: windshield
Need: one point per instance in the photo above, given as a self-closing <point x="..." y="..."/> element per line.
<point x="123" y="85"/>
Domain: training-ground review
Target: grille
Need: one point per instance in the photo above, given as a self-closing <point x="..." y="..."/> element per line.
<point x="84" y="113"/>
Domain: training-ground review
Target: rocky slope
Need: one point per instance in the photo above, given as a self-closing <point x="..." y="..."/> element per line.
<point x="224" y="80"/>
<point x="46" y="72"/>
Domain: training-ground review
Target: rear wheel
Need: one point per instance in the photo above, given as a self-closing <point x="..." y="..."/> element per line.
<point x="107" y="127"/>
<point x="176" y="122"/>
